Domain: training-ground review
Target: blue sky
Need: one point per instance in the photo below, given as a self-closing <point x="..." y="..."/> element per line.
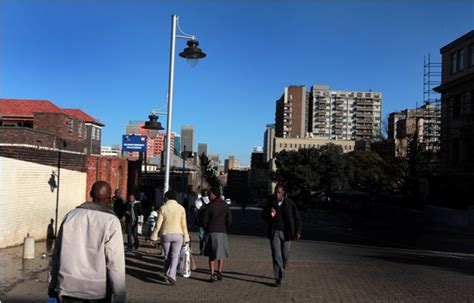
<point x="111" y="58"/>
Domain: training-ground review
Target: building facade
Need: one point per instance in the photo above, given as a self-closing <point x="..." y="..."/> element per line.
<point x="291" y="113"/>
<point x="187" y="138"/>
<point x="202" y="149"/>
<point x="422" y="123"/>
<point x="230" y="163"/>
<point x="295" y="144"/>
<point x="344" y="115"/>
<point x="268" y="139"/>
<point x="457" y="113"/>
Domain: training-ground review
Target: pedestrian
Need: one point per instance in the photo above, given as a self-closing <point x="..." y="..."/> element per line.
<point x="118" y="204"/>
<point x="174" y="231"/>
<point x="216" y="220"/>
<point x="284" y="225"/>
<point x="199" y="207"/>
<point x="133" y="211"/>
<point x="88" y="263"/>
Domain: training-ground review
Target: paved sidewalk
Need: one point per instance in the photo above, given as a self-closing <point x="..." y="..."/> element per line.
<point x="318" y="272"/>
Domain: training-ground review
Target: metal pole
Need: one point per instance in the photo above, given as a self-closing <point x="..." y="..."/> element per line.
<point x="57" y="195"/>
<point x="174" y="19"/>
<point x="184" y="156"/>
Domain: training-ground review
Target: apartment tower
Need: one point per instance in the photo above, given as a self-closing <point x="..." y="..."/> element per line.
<point x="344" y="115"/>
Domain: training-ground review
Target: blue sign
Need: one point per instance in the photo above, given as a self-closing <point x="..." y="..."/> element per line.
<point x="134" y="143"/>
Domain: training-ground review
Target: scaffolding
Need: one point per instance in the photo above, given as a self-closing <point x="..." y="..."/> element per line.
<point x="431" y="109"/>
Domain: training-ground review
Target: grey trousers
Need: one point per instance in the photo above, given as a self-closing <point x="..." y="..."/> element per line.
<point x="280" y="254"/>
<point x="171" y="247"/>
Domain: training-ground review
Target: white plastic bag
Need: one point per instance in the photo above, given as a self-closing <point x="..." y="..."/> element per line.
<point x="140" y="225"/>
<point x="184" y="266"/>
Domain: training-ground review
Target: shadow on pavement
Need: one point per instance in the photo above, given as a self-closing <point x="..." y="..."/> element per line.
<point x="144" y="266"/>
<point x="229" y="275"/>
<point x="460" y="265"/>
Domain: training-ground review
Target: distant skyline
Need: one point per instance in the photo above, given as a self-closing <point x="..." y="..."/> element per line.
<point x="111" y="58"/>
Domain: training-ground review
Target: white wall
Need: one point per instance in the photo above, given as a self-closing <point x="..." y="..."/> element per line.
<point x="27" y="203"/>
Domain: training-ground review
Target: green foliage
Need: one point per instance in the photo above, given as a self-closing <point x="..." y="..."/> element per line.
<point x="367" y="171"/>
<point x="309" y="170"/>
<point x="328" y="169"/>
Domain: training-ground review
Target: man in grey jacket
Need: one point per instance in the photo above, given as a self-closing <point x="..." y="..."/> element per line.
<point x="88" y="263"/>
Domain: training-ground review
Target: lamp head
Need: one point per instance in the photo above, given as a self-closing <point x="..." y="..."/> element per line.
<point x="152" y="126"/>
<point x="192" y="52"/>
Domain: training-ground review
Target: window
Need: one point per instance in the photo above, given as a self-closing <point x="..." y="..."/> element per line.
<point x="85" y="131"/>
<point x="70" y="126"/>
<point x="456" y="106"/>
<point x="453" y="63"/>
<point x="457" y="61"/>
<point x="92" y="132"/>
<point x="79" y="129"/>
<point x="97" y="136"/>
<point x="471" y="55"/>
<point x="460" y="61"/>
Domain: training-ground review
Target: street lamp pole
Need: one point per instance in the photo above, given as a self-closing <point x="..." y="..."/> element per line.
<point x="184" y="156"/>
<point x="191" y="52"/>
<point x="174" y="20"/>
<point x="57" y="194"/>
<point x="64" y="144"/>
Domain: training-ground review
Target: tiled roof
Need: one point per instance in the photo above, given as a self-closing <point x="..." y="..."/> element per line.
<point x="26" y="108"/>
<point x="21" y="108"/>
<point x="82" y="115"/>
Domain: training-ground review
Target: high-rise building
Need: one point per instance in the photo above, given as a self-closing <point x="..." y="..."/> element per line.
<point x="177" y="144"/>
<point x="327" y="114"/>
<point x="291" y="113"/>
<point x="187" y="138"/>
<point x="268" y="140"/>
<point x="202" y="148"/>
<point x="344" y="115"/>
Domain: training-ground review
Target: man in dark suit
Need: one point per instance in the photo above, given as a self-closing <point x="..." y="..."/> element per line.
<point x="284" y="225"/>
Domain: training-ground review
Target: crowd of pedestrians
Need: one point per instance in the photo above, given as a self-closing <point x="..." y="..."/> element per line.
<point x="88" y="260"/>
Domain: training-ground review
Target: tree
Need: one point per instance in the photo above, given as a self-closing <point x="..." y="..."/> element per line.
<point x="207" y="171"/>
<point x="309" y="170"/>
<point x="368" y="171"/>
<point x="333" y="168"/>
<point x="297" y="170"/>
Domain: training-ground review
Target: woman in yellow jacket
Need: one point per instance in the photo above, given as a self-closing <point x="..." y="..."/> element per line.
<point x="174" y="231"/>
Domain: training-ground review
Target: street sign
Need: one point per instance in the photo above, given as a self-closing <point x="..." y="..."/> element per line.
<point x="134" y="143"/>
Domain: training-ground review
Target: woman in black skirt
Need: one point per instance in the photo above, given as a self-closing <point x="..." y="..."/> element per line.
<point x="216" y="220"/>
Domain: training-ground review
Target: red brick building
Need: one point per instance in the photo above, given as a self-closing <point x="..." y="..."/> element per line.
<point x="42" y="123"/>
<point x="36" y="131"/>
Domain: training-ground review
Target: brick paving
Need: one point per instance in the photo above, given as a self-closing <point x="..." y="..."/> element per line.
<point x="318" y="272"/>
